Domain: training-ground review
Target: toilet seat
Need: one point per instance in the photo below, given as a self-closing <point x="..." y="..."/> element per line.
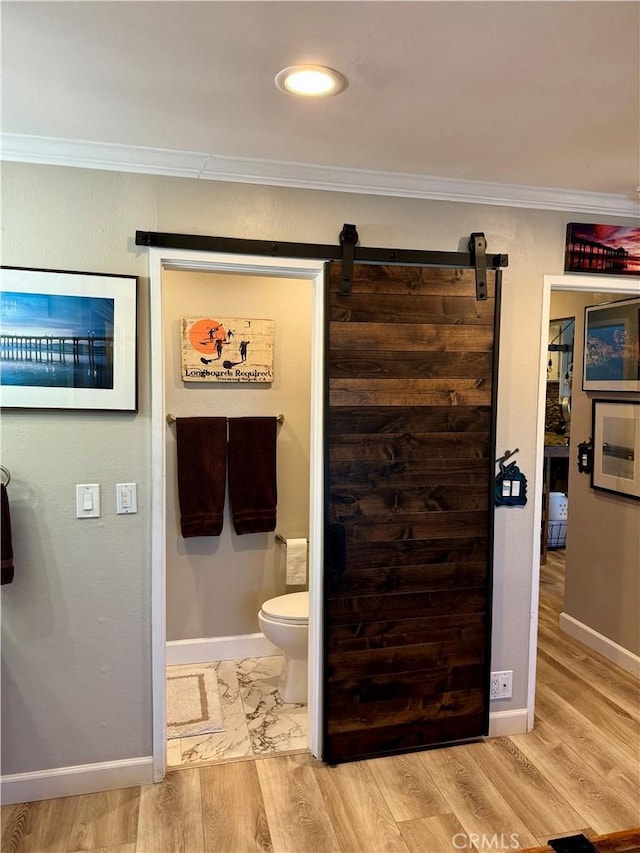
<point x="291" y="608"/>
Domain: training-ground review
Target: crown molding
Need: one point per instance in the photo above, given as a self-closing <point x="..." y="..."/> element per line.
<point x="46" y="150"/>
<point x="204" y="166"/>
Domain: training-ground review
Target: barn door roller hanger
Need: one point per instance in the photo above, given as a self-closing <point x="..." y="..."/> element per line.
<point x="348" y="251"/>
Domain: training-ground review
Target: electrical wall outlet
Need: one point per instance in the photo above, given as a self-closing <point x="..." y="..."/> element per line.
<point x="501" y="685"/>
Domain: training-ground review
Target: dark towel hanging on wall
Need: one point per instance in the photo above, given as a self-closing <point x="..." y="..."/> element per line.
<point x="202" y="474"/>
<point x="6" y="543"/>
<point x="252" y="474"/>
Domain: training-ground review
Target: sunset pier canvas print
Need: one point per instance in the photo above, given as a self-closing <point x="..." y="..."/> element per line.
<point x="602" y="249"/>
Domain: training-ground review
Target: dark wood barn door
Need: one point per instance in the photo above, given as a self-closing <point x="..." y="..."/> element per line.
<point x="409" y="510"/>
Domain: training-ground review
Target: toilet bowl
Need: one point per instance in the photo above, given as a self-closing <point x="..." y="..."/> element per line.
<point x="285" y="621"/>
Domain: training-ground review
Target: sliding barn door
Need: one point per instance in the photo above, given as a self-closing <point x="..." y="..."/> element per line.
<point x="409" y="517"/>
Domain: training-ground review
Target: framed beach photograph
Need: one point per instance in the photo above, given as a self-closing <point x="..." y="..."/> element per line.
<point x="611" y="346"/>
<point x="616" y="447"/>
<point x="68" y="340"/>
<point x="602" y="249"/>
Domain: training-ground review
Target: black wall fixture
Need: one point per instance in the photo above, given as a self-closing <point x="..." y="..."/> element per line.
<point x="585" y="456"/>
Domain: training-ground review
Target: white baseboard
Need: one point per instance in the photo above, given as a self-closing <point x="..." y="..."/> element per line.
<point x="203" y="649"/>
<point x="506" y="723"/>
<point x="599" y="643"/>
<point x="70" y="781"/>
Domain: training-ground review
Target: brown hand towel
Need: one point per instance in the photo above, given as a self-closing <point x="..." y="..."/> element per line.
<point x="202" y="474"/>
<point x="252" y="474"/>
<point x="6" y="541"/>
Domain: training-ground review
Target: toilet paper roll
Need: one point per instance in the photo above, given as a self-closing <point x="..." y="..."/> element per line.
<point x="296" y="572"/>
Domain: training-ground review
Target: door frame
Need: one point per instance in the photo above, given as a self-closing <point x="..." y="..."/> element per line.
<point x="574" y="283"/>
<point x="313" y="270"/>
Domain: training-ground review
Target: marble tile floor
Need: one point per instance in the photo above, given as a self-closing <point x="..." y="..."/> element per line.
<point x="256" y="720"/>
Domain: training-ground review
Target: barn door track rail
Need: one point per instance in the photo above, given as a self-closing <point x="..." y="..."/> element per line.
<point x="348" y="251"/>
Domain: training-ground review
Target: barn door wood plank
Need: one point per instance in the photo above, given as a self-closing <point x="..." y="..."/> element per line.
<point x="410" y="363"/>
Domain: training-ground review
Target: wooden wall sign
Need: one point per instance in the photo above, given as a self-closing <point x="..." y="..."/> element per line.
<point x="226" y="349"/>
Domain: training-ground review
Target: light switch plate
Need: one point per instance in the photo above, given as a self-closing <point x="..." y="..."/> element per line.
<point x="88" y="500"/>
<point x="126" y="498"/>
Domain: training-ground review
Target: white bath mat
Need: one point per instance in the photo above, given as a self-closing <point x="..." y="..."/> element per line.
<point x="193" y="702"/>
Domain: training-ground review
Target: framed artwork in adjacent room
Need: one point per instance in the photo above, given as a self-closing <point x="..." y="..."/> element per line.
<point x="612" y="346"/>
<point x="616" y="447"/>
<point x="68" y="340"/>
<point x="602" y="249"/>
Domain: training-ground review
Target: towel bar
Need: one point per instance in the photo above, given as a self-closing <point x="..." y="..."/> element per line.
<point x="171" y="419"/>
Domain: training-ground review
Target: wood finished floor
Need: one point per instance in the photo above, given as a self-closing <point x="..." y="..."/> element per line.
<point x="577" y="772"/>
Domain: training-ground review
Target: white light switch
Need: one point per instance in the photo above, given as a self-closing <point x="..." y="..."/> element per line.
<point x="126" y="498"/>
<point x="88" y="500"/>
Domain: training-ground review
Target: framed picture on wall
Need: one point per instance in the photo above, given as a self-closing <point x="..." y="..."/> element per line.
<point x="602" y="249"/>
<point x="68" y="340"/>
<point x="226" y="349"/>
<point x="616" y="447"/>
<point x="611" y="346"/>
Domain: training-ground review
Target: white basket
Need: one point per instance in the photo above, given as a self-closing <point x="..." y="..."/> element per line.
<point x="557" y="534"/>
<point x="558" y="506"/>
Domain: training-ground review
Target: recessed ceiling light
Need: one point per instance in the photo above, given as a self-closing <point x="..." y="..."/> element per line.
<point x="310" y="81"/>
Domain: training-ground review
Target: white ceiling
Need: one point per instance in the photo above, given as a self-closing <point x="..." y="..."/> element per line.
<point x="534" y="100"/>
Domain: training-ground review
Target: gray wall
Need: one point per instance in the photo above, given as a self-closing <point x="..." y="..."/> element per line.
<point x="602" y="582"/>
<point x="76" y="622"/>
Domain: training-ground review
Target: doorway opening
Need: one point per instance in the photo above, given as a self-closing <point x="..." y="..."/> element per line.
<point x="217" y="584"/>
<point x="575" y="291"/>
<point x="165" y="266"/>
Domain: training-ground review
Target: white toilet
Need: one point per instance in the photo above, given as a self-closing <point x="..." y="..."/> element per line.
<point x="285" y="621"/>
